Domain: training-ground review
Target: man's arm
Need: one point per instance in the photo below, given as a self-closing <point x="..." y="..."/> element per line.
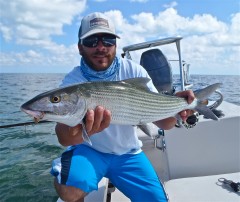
<point x="169" y="123"/>
<point x="96" y="121"/>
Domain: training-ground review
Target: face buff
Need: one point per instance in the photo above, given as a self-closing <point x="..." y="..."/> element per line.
<point x="109" y="74"/>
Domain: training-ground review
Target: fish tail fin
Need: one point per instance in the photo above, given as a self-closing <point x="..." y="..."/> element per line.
<point x="201" y="96"/>
<point x="203" y="109"/>
<point x="204" y="93"/>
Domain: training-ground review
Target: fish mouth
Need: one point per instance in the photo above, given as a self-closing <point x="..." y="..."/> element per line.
<point x="37" y="115"/>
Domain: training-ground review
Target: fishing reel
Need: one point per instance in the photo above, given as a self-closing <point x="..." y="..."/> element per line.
<point x="190" y="122"/>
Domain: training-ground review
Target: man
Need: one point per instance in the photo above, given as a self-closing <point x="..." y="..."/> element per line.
<point x="115" y="152"/>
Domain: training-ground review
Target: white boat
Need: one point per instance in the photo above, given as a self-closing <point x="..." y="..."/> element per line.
<point x="191" y="163"/>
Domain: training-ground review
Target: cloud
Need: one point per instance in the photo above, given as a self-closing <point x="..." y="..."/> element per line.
<point x="62" y="60"/>
<point x="208" y="42"/>
<point x="139" y="1"/>
<point x="171" y="5"/>
<point x="201" y="32"/>
<point x="229" y="35"/>
<point x="32" y="25"/>
<point x="169" y="22"/>
<point x="100" y="1"/>
<point x="31" y="22"/>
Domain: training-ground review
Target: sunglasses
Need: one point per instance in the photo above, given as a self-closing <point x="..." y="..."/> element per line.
<point x="92" y="41"/>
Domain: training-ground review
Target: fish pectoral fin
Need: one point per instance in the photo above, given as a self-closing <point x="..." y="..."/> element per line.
<point x="85" y="135"/>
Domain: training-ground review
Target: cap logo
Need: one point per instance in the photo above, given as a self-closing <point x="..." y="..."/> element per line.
<point x="98" y="22"/>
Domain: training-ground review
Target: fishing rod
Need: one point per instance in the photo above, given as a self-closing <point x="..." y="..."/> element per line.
<point x="24" y="124"/>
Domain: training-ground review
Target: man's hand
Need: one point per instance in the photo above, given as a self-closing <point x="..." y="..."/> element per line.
<point x="189" y="96"/>
<point x="170" y="122"/>
<point x="95" y="121"/>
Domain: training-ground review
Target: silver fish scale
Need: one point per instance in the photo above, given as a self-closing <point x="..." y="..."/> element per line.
<point x="132" y="105"/>
<point x="129" y="101"/>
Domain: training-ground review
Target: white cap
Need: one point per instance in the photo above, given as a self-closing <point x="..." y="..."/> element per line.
<point x="95" y="23"/>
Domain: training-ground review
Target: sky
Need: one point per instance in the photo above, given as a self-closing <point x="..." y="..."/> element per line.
<point x="40" y="36"/>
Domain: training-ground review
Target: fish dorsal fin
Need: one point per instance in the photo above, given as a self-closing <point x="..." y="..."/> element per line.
<point x="140" y="82"/>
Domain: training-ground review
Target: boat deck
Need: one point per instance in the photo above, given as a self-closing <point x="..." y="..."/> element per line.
<point x="199" y="189"/>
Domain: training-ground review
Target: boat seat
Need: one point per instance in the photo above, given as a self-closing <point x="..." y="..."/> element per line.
<point x="159" y="69"/>
<point x="206" y="188"/>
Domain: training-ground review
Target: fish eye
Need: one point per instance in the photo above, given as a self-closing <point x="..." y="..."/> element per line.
<point x="55" y="99"/>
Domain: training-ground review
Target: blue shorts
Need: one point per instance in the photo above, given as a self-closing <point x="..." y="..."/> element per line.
<point x="132" y="174"/>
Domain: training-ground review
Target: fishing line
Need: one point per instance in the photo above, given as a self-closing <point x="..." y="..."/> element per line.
<point x="24" y="124"/>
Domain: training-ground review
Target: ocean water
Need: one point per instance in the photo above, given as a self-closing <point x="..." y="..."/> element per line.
<point x="26" y="152"/>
